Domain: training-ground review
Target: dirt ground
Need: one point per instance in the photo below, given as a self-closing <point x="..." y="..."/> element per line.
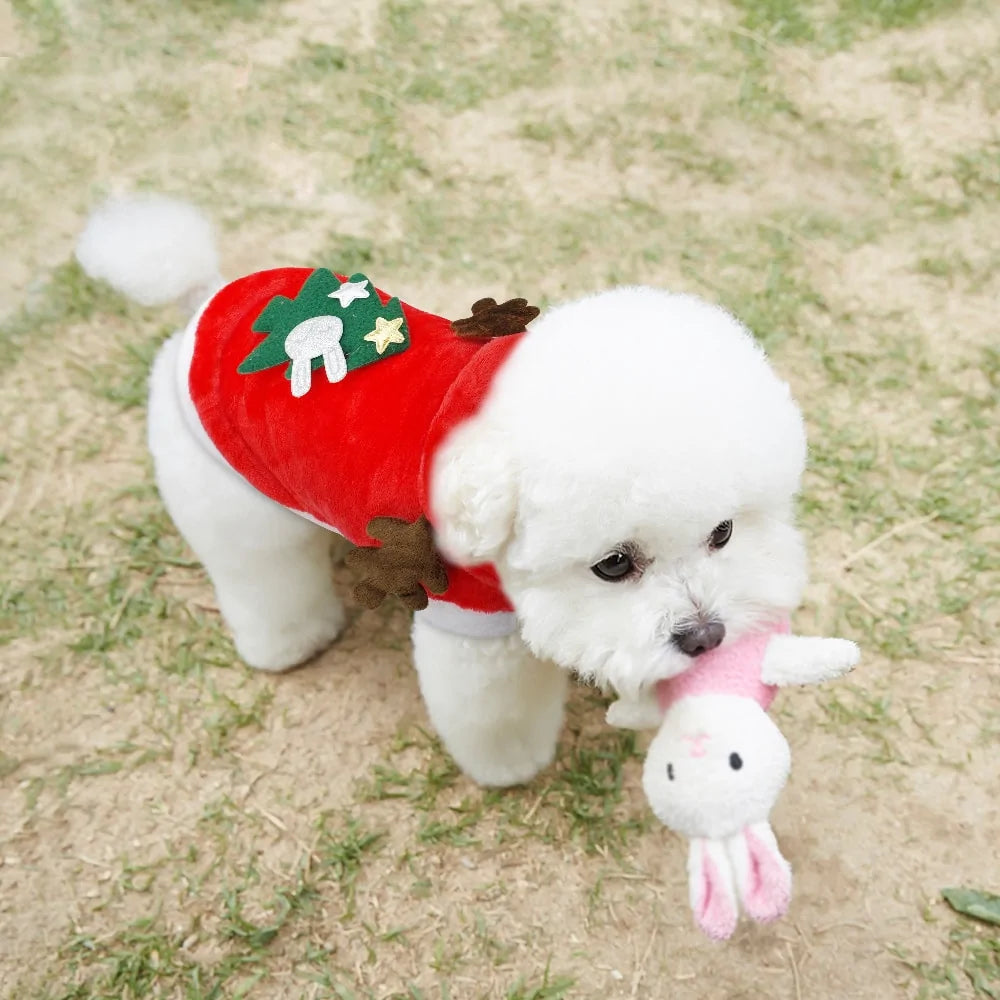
<point x="172" y="825"/>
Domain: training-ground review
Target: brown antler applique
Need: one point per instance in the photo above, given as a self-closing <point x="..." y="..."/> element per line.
<point x="490" y="320"/>
<point x="402" y="565"/>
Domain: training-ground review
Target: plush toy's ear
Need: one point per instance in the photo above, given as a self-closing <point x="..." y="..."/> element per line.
<point x="763" y="876"/>
<point x="711" y="889"/>
<point x="473" y="494"/>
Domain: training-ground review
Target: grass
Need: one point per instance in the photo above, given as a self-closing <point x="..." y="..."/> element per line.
<point x="341" y="851"/>
<point x="122" y="380"/>
<point x="579" y="799"/>
<point x="517" y="44"/>
<point x="182" y="827"/>
<point x="549" y="989"/>
<point x="145" y="958"/>
<point x="968" y="967"/>
<point x="837" y="25"/>
<point x="140" y="961"/>
<point x="848" y="708"/>
<point x="67" y="297"/>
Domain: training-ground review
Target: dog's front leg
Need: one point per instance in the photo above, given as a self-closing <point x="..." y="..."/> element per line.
<point x="496" y="707"/>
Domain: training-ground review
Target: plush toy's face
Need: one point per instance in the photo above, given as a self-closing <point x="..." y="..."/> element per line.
<point x="716" y="765"/>
<point x="632" y="476"/>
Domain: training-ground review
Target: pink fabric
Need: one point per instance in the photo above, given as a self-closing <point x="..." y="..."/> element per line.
<point x="732" y="668"/>
<point x="716" y="914"/>
<point x="769" y="886"/>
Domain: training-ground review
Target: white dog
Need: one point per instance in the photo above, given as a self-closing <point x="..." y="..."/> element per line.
<point x="630" y="475"/>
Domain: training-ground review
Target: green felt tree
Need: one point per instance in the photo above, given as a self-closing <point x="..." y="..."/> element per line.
<point x="371" y="331"/>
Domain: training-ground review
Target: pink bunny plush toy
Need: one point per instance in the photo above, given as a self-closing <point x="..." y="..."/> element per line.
<point x="717" y="764"/>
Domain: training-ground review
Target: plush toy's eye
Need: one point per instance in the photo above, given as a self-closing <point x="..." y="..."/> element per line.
<point x="735" y="761"/>
<point x="615" y="566"/>
<point x="721" y="534"/>
<point x="670" y="772"/>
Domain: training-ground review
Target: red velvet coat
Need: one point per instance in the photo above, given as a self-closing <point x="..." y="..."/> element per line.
<point x="348" y="451"/>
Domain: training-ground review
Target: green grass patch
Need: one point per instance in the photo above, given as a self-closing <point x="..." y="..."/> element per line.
<point x="146" y="959"/>
<point x="579" y="797"/>
<point x="99" y="762"/>
<point x="123" y="379"/>
<point x="550" y="988"/>
<point x="893" y="14"/>
<point x="341" y="850"/>
<point x="67" y="297"/>
<point x="101" y="573"/>
<point x="968" y="968"/>
<point x="757" y="273"/>
<point x="227" y="715"/>
<point x="978" y="172"/>
<point x="837" y="25"/>
<point x="780" y="20"/>
<point x="45" y="19"/>
<point x="850" y="708"/>
<point x="523" y="49"/>
<point x="143" y="960"/>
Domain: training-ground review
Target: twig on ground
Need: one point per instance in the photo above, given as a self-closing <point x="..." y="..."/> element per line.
<point x="795" y="971"/>
<point x="640" y="969"/>
<point x="851" y="592"/>
<point x="897" y="529"/>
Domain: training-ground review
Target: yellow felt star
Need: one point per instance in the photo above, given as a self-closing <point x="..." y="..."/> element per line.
<point x="386" y="332"/>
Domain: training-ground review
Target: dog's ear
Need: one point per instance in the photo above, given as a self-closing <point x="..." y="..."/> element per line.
<point x="473" y="494"/>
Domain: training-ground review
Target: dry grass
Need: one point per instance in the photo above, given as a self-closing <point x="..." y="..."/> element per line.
<point x="172" y="825"/>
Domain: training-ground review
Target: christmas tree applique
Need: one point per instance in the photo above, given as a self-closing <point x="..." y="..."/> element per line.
<point x="334" y="325"/>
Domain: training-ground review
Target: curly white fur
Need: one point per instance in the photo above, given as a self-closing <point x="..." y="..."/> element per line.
<point x="270" y="568"/>
<point x="631" y="416"/>
<point x="634" y="415"/>
<point x="497" y="708"/>
<point x="152" y="249"/>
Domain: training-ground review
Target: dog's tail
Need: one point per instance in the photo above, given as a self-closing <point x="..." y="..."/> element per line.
<point x="152" y="249"/>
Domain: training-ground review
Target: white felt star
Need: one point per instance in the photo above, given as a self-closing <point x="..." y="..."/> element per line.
<point x="349" y="291"/>
<point x="386" y="332"/>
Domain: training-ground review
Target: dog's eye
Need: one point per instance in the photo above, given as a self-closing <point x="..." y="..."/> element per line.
<point x="721" y="534"/>
<point x="735" y="761"/>
<point x="614" y="566"/>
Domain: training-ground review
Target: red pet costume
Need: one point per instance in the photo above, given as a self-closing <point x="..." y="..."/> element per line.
<point x="346" y="452"/>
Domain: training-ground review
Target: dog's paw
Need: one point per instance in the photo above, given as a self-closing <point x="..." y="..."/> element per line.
<point x="275" y="650"/>
<point x="628" y="713"/>
<point x="512" y="747"/>
<point x="497" y="709"/>
<point x="516" y="762"/>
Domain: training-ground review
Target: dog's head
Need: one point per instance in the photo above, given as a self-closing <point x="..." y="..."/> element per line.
<point x="632" y="477"/>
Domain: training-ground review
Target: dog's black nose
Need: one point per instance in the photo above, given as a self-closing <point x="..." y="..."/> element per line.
<point x="700" y="638"/>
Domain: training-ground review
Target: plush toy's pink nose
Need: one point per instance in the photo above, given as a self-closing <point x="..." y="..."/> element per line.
<point x="698" y="741"/>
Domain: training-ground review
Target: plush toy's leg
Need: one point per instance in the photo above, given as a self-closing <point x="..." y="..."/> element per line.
<point x="496" y="707"/>
<point x="270" y="567"/>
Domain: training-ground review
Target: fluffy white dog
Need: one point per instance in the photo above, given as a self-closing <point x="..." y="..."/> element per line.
<point x="630" y="475"/>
